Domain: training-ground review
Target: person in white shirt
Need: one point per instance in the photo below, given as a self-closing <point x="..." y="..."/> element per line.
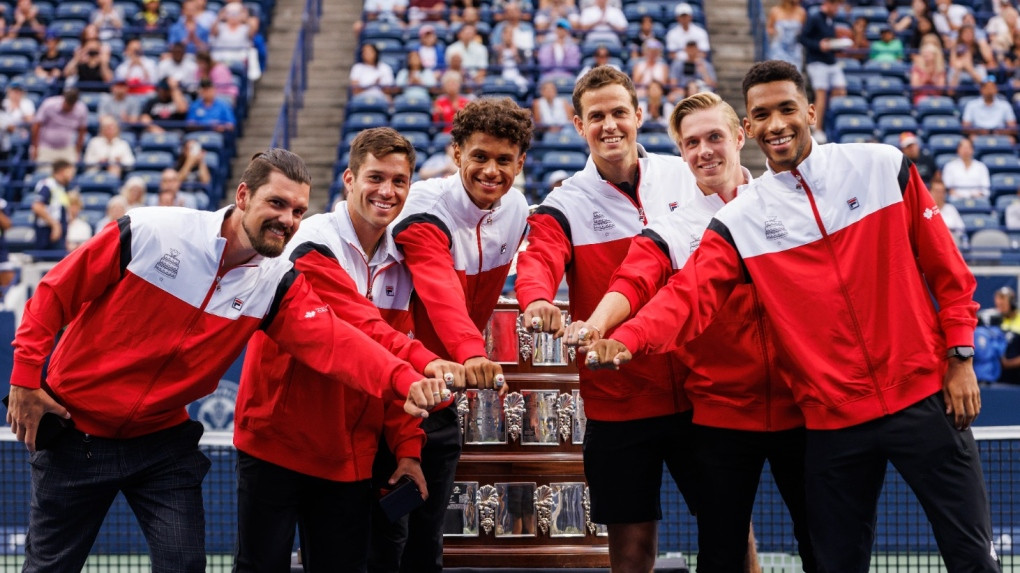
<point x="966" y="176"/>
<point x="685" y="31"/>
<point x="602" y="23"/>
<point x="108" y="150"/>
<point x="18" y="112"/>
<point x="178" y="64"/>
<point x="137" y="69"/>
<point x="950" y="214"/>
<point x="371" y="75"/>
<point x="948" y="17"/>
<point x="473" y="53"/>
<point x="989" y="114"/>
<point x="524" y="32"/>
<point x="78" y="230"/>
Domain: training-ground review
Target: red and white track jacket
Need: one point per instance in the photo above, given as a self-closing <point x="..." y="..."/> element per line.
<point x="845" y="252"/>
<point x="584" y="229"/>
<point x="735" y="380"/>
<point x="448" y="241"/>
<point x="155" y="321"/>
<point x="285" y="407"/>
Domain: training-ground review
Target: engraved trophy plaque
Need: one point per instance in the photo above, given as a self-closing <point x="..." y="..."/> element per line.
<point x="461" y="513"/>
<point x="501" y="343"/>
<point x="541" y="419"/>
<point x="580" y="420"/>
<point x="515" y="515"/>
<point x="568" y="515"/>
<point x="549" y="351"/>
<point x="484" y="421"/>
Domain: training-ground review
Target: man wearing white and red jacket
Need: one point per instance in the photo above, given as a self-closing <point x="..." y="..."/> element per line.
<point x="305" y="444"/>
<point x="638" y="418"/>
<point x="458" y="235"/>
<point x="744" y="411"/>
<point x="158" y="305"/>
<point x="846" y="249"/>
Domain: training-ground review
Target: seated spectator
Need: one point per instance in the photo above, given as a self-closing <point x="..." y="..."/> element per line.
<point x="230" y="39"/>
<point x="693" y="68"/>
<point x="602" y="23"/>
<point x="432" y="53"/>
<point x="559" y="57"/>
<point x="523" y="32"/>
<point x="133" y="191"/>
<point x="26" y="21"/>
<point x="419" y="11"/>
<point x="473" y="54"/>
<point x="151" y="21"/>
<point x="414" y="75"/>
<point x="549" y="14"/>
<point x="116" y="207"/>
<point x="170" y="194"/>
<point x="1001" y="28"/>
<point x="191" y="166"/>
<point x="914" y="23"/>
<point x="950" y="215"/>
<point x="948" y="17"/>
<point x="137" y="69"/>
<point x="646" y="31"/>
<point x="551" y="111"/>
<point x="188" y="30"/>
<point x="888" y="48"/>
<point x="969" y="59"/>
<point x="218" y="73"/>
<point x="178" y="64"/>
<point x="58" y="131"/>
<point x="650" y="68"/>
<point x="684" y="31"/>
<point x="78" y="229"/>
<point x="508" y="59"/>
<point x="1012" y="216"/>
<point x="450" y="100"/>
<point x="49" y="210"/>
<point x="108" y="150"/>
<point x="601" y="57"/>
<point x="89" y="68"/>
<point x="51" y="61"/>
<point x="371" y="75"/>
<point x="861" y="45"/>
<point x="169" y="105"/>
<point x="18" y="112"/>
<point x="109" y="19"/>
<point x="439" y="164"/>
<point x="989" y="113"/>
<point x="928" y="71"/>
<point x="210" y="112"/>
<point x="655" y="108"/>
<point x="473" y="17"/>
<point x="966" y="176"/>
<point x="910" y="145"/>
<point x="391" y="11"/>
<point x="119" y="104"/>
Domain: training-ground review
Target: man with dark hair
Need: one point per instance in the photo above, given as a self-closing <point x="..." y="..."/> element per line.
<point x="305" y="445"/>
<point x="846" y="251"/>
<point x="49" y="210"/>
<point x="458" y="235"/>
<point x="638" y="419"/>
<point x="159" y="305"/>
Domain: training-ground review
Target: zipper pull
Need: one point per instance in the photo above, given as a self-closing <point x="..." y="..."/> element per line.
<point x="641" y="215"/>
<point x="368" y="295"/>
<point x="88" y="450"/>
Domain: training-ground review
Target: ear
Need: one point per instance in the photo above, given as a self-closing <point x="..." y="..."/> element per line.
<point x="456" y="155"/>
<point x="348" y="179"/>
<point x="579" y="125"/>
<point x="740" y="139"/>
<point x="747" y="128"/>
<point x="241" y="196"/>
<point x="520" y="163"/>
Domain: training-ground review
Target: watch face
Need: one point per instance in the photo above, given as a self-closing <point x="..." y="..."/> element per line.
<point x="963" y="352"/>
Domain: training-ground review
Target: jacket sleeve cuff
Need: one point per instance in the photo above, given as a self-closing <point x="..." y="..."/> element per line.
<point x="410" y="448"/>
<point x="959" y="336"/>
<point x="627" y="337"/>
<point x="526" y="297"/>
<point x="27" y="375"/>
<point x="419" y="356"/>
<point x="626" y="288"/>
<point x="402" y="380"/>
<point x="468" y="349"/>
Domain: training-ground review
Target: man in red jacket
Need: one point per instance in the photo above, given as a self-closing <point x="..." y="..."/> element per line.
<point x="306" y="445"/>
<point x="846" y="249"/>
<point x="744" y="411"/>
<point x="158" y="306"/>
<point x="458" y="235"/>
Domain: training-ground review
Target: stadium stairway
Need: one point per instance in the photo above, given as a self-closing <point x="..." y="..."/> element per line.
<point x="732" y="54"/>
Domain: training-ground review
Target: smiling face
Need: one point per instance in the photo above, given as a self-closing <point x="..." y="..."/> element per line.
<point x="488" y="166"/>
<point x="272" y="212"/>
<point x="780" y="118"/>
<point x="609" y="123"/>
<point x="377" y="192"/>
<point x="711" y="146"/>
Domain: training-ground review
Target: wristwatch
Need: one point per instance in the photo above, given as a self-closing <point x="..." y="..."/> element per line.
<point x="960" y="352"/>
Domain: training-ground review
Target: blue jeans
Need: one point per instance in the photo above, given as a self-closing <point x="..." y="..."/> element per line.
<point x="75" y="481"/>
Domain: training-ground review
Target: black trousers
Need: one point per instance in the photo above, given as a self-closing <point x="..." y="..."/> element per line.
<point x="415" y="543"/>
<point x="332" y="518"/>
<point x="845" y="470"/>
<point x="729" y="468"/>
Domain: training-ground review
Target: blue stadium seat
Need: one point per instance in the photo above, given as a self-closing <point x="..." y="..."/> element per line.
<point x="943" y="143"/>
<point x="440" y="140"/>
<point x="81" y="11"/>
<point x="91" y="100"/>
<point x="935" y="105"/>
<point x="891" y="105"/>
<point x="377" y="30"/>
<point x="411" y="121"/>
<point x="569" y="161"/>
<point x="849" y="104"/>
<point x="161" y="141"/>
<point x="420" y="140"/>
<point x="101" y="182"/>
<point x="884" y="85"/>
<point x="497" y="86"/>
<point x="655" y="142"/>
<point x="356" y="122"/>
<point x="896" y="124"/>
<point x="153" y="47"/>
<point x="635" y="11"/>
<point x="27" y="47"/>
<point x="1001" y="163"/>
<point x="210" y="140"/>
<point x="564" y="140"/>
<point x="1003" y="201"/>
<point x="896" y="70"/>
<point x="985" y="144"/>
<point x="975" y="221"/>
<point x="153" y="160"/>
<point x="853" y="123"/>
<point x="875" y="14"/>
<point x="854" y="85"/>
<point x="856" y="138"/>
<point x="20" y="238"/>
<point x="411" y="102"/>
<point x="1005" y="184"/>
<point x="15" y="64"/>
<point x="394" y="46"/>
<point x="22" y="218"/>
<point x="67" y="28"/>
<point x="935" y="124"/>
<point x="978" y="205"/>
<point x="96" y="201"/>
<point x="151" y="179"/>
<point x="368" y="102"/>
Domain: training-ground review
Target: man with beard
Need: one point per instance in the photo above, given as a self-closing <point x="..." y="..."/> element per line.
<point x="159" y="305"/>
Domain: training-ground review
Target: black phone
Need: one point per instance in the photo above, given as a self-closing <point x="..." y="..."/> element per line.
<point x="51" y="427"/>
<point x="401" y="500"/>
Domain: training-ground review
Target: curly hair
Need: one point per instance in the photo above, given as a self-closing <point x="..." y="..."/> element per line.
<point x="498" y="117"/>
<point x="600" y="77"/>
<point x="773" y="71"/>
<point x="380" y="142"/>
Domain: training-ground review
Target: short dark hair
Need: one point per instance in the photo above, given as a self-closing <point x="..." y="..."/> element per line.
<point x="264" y="163"/>
<point x="600" y="77"/>
<point x="380" y="142"/>
<point x="774" y="71"/>
<point x="498" y="117"/>
<point x="61" y="164"/>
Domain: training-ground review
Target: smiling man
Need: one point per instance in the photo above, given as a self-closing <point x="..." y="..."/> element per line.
<point x="849" y="256"/>
<point x="159" y="305"/>
<point x="458" y="235"/>
<point x="638" y="418"/>
<point x="284" y="407"/>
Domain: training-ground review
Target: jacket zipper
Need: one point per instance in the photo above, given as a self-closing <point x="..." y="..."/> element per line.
<point x="478" y="239"/>
<point x="760" y="323"/>
<point x="843" y="290"/>
<point x="370" y="277"/>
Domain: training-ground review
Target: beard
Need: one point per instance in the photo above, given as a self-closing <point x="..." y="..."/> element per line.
<point x="267" y="245"/>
